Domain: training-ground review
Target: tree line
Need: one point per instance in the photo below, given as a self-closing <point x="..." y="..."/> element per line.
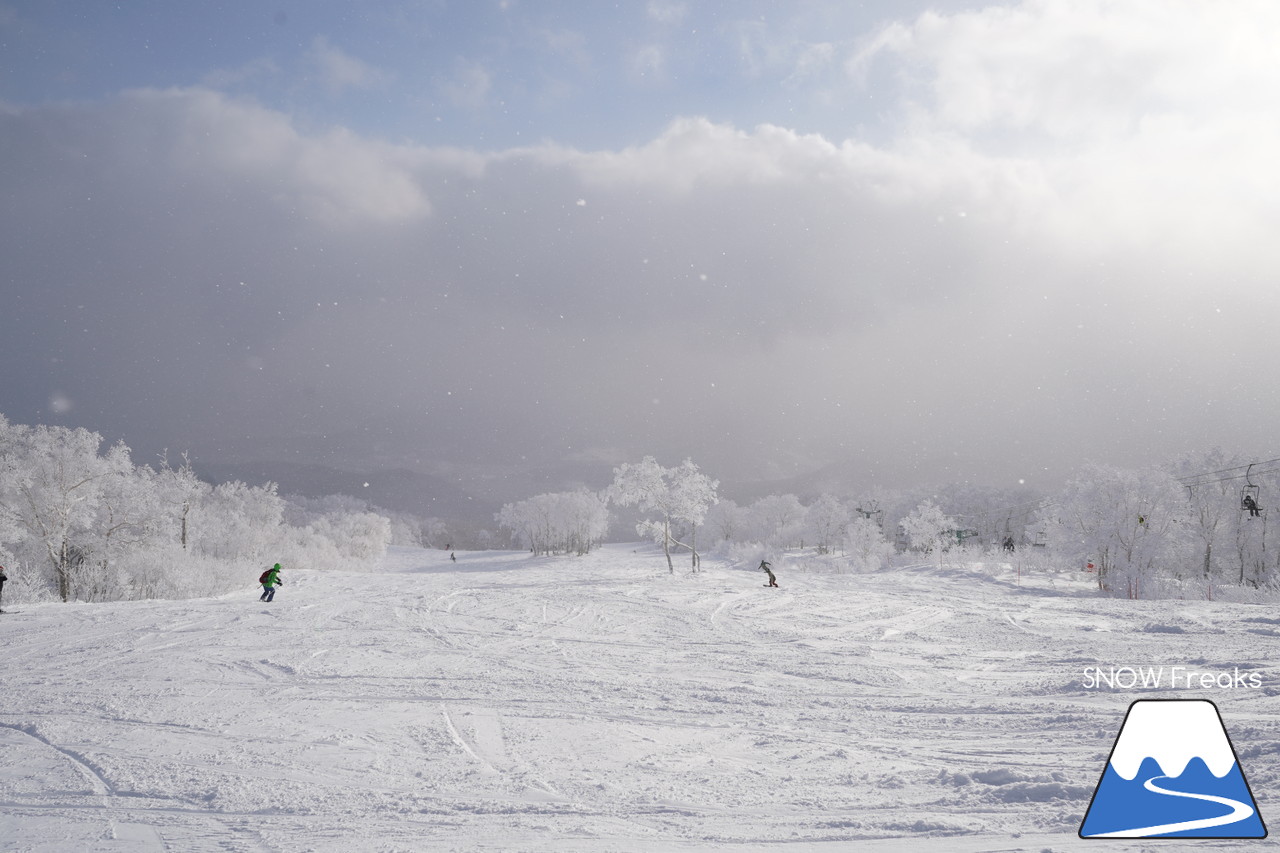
<point x="1174" y="529"/>
<point x="80" y="523"/>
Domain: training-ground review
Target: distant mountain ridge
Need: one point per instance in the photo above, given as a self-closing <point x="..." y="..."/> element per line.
<point x="400" y="489"/>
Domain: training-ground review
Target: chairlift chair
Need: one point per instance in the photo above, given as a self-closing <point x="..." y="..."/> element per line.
<point x="1250" y="494"/>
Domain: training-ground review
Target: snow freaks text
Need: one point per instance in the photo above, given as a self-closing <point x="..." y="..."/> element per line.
<point x="1168" y="678"/>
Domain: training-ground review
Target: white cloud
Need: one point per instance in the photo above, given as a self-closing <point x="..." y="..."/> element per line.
<point x="233" y="78"/>
<point x="1144" y="125"/>
<point x="341" y="72"/>
<point x="1082" y="69"/>
<point x="335" y="176"/>
<point x="469" y="86"/>
<point x="649" y="63"/>
<point x="1071" y="223"/>
<point x="667" y="12"/>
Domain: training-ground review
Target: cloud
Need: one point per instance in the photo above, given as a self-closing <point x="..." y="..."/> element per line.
<point x="1082" y="71"/>
<point x="235" y="78"/>
<point x="649" y="63"/>
<point x="1139" y="122"/>
<point x="997" y="285"/>
<point x="764" y="51"/>
<point x="667" y="12"/>
<point x="341" y="72"/>
<point x="469" y="86"/>
<point x="332" y="177"/>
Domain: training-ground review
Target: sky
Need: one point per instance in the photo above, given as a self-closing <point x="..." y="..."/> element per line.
<point x="920" y="241"/>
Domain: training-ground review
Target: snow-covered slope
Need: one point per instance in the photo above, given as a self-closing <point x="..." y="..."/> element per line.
<point x="595" y="704"/>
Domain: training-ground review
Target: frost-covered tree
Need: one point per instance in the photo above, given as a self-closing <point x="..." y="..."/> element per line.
<point x="534" y="521"/>
<point x="674" y="496"/>
<point x="180" y="490"/>
<point x="54" y="480"/>
<point x="435" y="533"/>
<point x="825" y="522"/>
<point x="81" y="523"/>
<point x="865" y="544"/>
<point x="1213" y="502"/>
<point x="127" y="523"/>
<point x="240" y="522"/>
<point x="777" y="520"/>
<point x="1249" y="538"/>
<point x="929" y="529"/>
<point x="726" y="520"/>
<point x="586" y="519"/>
<point x="557" y="522"/>
<point x="1127" y="522"/>
<point x="988" y="513"/>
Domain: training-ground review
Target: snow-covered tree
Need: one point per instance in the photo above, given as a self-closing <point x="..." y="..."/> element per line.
<point x="1127" y="522"/>
<point x="81" y="523"/>
<point x="929" y="529"/>
<point x="435" y="533"/>
<point x="181" y="491"/>
<point x="557" y="522"/>
<point x="777" y="520"/>
<point x="825" y="522"/>
<point x="1213" y="503"/>
<point x="240" y="522"/>
<point x="53" y="484"/>
<point x="127" y="524"/>
<point x="865" y="544"/>
<point x="726" y="520"/>
<point x="675" y="496"/>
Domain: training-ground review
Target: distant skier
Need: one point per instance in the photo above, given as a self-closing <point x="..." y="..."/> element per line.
<point x="3" y="578"/>
<point x="768" y="570"/>
<point x="453" y="558"/>
<point x="1250" y="504"/>
<point x="270" y="580"/>
<point x="1008" y="543"/>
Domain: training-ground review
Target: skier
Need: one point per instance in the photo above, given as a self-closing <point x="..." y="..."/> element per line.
<point x="3" y="578"/>
<point x="768" y="570"/>
<point x="1250" y="504"/>
<point x="1008" y="543"/>
<point x="453" y="558"/>
<point x="269" y="584"/>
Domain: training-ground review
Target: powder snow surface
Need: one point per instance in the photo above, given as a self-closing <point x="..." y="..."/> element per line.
<point x="508" y="703"/>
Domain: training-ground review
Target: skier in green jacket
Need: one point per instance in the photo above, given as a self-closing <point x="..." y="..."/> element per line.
<point x="269" y="584"/>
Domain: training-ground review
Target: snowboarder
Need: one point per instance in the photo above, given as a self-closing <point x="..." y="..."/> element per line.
<point x="270" y="579"/>
<point x="768" y="570"/>
<point x="1250" y="504"/>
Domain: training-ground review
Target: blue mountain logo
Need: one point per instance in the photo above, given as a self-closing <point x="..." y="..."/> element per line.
<point x="1173" y="773"/>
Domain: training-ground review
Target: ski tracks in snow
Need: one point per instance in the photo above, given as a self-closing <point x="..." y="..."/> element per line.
<point x="510" y="702"/>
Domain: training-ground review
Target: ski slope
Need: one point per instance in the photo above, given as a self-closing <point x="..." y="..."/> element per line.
<point x="512" y="703"/>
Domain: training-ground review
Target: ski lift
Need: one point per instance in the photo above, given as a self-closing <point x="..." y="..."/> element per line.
<point x="869" y="514"/>
<point x="1250" y="493"/>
